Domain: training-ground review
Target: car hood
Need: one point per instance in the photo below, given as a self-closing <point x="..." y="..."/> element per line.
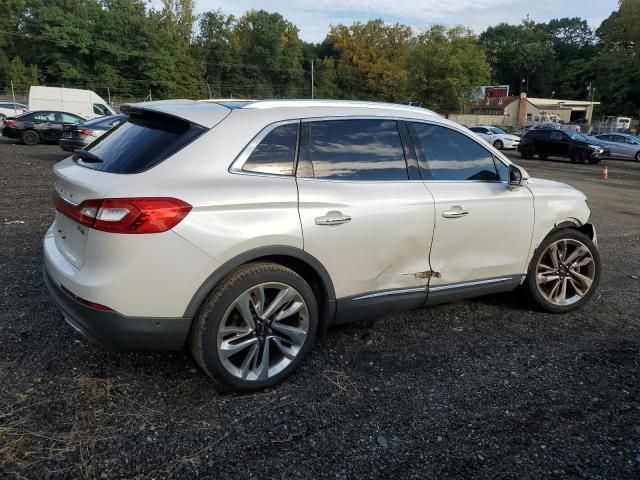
<point x="508" y="136"/>
<point x="542" y="186"/>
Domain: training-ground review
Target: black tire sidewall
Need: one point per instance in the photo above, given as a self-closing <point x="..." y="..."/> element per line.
<point x="532" y="287"/>
<point x="498" y="144"/>
<point x="27" y="133"/>
<point x="208" y="335"/>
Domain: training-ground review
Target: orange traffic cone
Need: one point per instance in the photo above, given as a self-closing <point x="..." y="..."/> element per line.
<point x="605" y="173"/>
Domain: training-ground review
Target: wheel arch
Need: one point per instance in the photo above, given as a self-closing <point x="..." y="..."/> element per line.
<point x="301" y="262"/>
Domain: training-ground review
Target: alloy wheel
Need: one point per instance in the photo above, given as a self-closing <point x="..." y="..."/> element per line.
<point x="263" y="331"/>
<point x="565" y="272"/>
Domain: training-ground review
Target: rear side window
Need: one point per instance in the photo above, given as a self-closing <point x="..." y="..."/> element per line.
<point x="365" y="150"/>
<point x="276" y="153"/>
<point x="450" y="155"/>
<point x="44" y="117"/>
<point x="141" y="143"/>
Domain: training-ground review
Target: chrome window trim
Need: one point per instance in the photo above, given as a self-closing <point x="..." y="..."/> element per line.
<point x="450" y="286"/>
<point x="238" y="164"/>
<point x="391" y="292"/>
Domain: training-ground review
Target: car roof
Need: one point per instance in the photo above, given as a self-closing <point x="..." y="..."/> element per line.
<point x="207" y="112"/>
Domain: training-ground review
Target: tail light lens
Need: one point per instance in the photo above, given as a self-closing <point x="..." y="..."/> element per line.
<point x="9" y="122"/>
<point x="126" y="215"/>
<point x="83" y="131"/>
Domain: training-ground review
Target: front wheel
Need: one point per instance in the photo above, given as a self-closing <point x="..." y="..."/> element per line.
<point x="564" y="271"/>
<point x="255" y="328"/>
<point x="638" y="157"/>
<point x="577" y="156"/>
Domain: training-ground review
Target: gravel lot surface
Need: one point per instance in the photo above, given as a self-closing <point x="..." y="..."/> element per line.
<point x="485" y="388"/>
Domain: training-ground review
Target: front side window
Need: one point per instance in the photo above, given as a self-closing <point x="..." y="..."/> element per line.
<point x="450" y="155"/>
<point x="557" y="136"/>
<point x="276" y="153"/>
<point x="100" y="109"/>
<point x="355" y="149"/>
<point x="68" y="118"/>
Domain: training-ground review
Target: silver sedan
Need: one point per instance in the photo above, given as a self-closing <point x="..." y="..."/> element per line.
<point x="622" y="145"/>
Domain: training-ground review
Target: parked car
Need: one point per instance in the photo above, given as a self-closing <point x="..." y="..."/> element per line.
<point x="547" y="142"/>
<point x="41" y="126"/>
<point x="622" y="145"/>
<point x="10" y="109"/>
<point x="497" y="137"/>
<point x="244" y="229"/>
<point x="82" y="134"/>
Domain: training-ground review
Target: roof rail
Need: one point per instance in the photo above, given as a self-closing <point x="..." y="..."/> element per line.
<point x="267" y="104"/>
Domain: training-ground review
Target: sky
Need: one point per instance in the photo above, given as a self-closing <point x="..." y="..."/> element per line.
<point x="313" y="17"/>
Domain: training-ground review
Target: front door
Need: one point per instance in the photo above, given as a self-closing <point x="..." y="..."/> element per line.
<point x="362" y="217"/>
<point x="483" y="229"/>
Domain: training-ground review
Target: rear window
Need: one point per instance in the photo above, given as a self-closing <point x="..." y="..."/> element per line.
<point x="140" y="143"/>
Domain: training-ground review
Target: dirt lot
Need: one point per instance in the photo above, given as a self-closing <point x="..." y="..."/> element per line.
<point x="484" y="388"/>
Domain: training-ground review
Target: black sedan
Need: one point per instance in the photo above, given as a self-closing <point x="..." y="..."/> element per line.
<point x="81" y="135"/>
<point x="39" y="126"/>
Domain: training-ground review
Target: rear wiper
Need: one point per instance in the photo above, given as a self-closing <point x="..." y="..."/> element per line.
<point x="86" y="156"/>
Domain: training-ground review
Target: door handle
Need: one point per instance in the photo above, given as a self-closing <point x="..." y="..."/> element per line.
<point x="455" y="213"/>
<point x="333" y="218"/>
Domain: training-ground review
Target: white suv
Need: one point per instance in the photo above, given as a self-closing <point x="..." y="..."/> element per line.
<point x="247" y="228"/>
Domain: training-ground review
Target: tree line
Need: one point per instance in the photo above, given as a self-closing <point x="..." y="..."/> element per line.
<point x="133" y="51"/>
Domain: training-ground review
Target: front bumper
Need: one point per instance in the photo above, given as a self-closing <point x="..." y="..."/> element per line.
<point x="117" y="331"/>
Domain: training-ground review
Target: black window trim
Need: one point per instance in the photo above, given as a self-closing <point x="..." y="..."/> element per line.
<point x="237" y="166"/>
<point x="426" y="171"/>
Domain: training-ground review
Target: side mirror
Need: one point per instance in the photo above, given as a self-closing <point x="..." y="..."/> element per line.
<point x="517" y="177"/>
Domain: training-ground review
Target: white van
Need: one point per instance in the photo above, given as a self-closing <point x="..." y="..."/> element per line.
<point x="84" y="103"/>
<point x="623" y="123"/>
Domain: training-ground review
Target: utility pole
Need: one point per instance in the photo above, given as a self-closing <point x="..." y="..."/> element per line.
<point x="312" y="92"/>
<point x="109" y="95"/>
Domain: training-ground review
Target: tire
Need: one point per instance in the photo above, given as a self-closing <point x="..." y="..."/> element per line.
<point x="498" y="144"/>
<point x="577" y="156"/>
<point x="574" y="279"/>
<point x="29" y="137"/>
<point x="638" y="157"/>
<point x="239" y="371"/>
<point x="543" y="156"/>
<point x="594" y="160"/>
<point x="527" y="152"/>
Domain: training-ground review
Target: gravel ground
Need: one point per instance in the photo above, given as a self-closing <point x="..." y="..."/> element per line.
<point x="484" y="388"/>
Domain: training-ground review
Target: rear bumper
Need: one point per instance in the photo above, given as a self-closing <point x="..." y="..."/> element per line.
<point x="117" y="331"/>
<point x="70" y="144"/>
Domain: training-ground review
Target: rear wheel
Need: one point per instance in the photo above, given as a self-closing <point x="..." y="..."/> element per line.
<point x="564" y="271"/>
<point x="527" y="152"/>
<point x="638" y="157"/>
<point x="498" y="144"/>
<point x="256" y="327"/>
<point x="29" y="137"/>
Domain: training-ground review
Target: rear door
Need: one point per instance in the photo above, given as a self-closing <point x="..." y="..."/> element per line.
<point x="44" y="122"/>
<point x="482" y="229"/>
<point x="364" y="216"/>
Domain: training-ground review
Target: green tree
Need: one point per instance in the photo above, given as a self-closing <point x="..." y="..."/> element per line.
<point x="518" y="52"/>
<point x="21" y="76"/>
<point x="446" y="65"/>
<point x="371" y="59"/>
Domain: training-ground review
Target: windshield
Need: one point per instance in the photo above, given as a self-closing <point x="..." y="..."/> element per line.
<point x="575" y="136"/>
<point x="497" y="131"/>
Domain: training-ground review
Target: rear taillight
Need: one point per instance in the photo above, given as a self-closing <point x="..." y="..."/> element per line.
<point x="97" y="306"/>
<point x="83" y="131"/>
<point x="126" y="215"/>
<point x="9" y="122"/>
